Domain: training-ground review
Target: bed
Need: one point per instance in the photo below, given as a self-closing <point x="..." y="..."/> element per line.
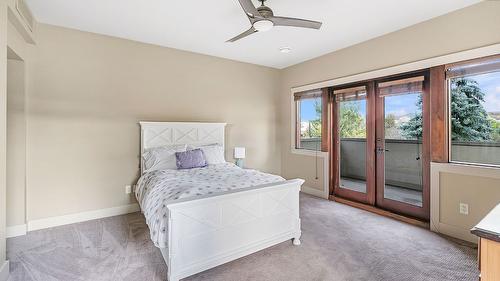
<point x="204" y="217"/>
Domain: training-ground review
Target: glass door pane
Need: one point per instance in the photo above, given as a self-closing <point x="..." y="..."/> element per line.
<point x="403" y="148"/>
<point x="352" y="131"/>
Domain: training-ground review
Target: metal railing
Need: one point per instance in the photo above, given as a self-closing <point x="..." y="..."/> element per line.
<point x="403" y="166"/>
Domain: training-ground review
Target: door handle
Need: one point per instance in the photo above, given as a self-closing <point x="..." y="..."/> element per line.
<point x="381" y="150"/>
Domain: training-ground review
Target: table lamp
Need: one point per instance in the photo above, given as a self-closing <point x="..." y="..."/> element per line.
<point x="239" y="155"/>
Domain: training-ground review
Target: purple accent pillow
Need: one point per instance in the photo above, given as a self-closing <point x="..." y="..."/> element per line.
<point x="190" y="159"/>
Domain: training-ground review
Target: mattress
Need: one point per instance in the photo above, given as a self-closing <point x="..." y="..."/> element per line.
<point x="158" y="188"/>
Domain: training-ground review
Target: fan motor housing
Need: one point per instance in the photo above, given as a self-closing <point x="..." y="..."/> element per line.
<point x="265" y="11"/>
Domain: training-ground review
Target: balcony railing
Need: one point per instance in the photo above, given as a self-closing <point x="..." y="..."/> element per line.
<point x="402" y="163"/>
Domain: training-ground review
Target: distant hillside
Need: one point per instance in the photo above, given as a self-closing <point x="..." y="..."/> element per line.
<point x="495" y="115"/>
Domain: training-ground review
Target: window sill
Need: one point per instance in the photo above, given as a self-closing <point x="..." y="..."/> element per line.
<point x="469" y="170"/>
<point x="307" y="152"/>
<point x="475" y="165"/>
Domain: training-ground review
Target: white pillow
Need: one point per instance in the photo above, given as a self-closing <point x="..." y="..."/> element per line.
<point x="214" y="153"/>
<point x="162" y="158"/>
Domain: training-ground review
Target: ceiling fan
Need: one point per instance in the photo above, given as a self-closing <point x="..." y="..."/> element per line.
<point x="263" y="19"/>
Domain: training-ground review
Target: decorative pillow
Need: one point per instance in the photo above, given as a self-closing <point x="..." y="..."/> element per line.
<point x="190" y="159"/>
<point x="161" y="158"/>
<point x="214" y="153"/>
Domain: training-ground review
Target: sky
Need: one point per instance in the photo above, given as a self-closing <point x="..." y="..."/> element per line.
<point x="399" y="106"/>
<point x="490" y="83"/>
<point x="406" y="104"/>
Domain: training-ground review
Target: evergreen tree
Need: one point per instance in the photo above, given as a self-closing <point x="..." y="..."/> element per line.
<point x="469" y="119"/>
<point x="413" y="128"/>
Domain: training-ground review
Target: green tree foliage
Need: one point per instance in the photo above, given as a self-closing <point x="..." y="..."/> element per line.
<point x="314" y="129"/>
<point x="392" y="130"/>
<point x="413" y="128"/>
<point x="495" y="126"/>
<point x="352" y="124"/>
<point x="469" y="119"/>
<point x="315" y="125"/>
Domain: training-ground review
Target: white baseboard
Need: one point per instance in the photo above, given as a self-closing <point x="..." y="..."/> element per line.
<point x="314" y="192"/>
<point x="16" y="230"/>
<point x="4" y="271"/>
<point x="80" y="217"/>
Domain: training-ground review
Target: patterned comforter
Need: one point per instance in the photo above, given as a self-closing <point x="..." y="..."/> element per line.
<point x="156" y="189"/>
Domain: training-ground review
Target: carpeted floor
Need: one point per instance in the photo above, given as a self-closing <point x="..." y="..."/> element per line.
<point x="338" y="243"/>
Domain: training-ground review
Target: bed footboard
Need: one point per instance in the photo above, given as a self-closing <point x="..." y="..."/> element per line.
<point x="209" y="231"/>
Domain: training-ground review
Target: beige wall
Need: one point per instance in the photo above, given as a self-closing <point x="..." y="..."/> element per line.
<point x="19" y="62"/>
<point x="16" y="143"/>
<point x="481" y="194"/>
<point x="469" y="28"/>
<point x="453" y="184"/>
<point x="89" y="92"/>
<point x="3" y="125"/>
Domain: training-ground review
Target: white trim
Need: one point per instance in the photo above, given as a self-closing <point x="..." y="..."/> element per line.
<point x="314" y="192"/>
<point x="308" y="152"/>
<point x="83" y="216"/>
<point x="436" y="169"/>
<point x="402" y="68"/>
<point x="16" y="230"/>
<point x="4" y="271"/>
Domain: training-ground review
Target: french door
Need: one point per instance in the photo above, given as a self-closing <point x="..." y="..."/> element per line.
<point x="380" y="136"/>
<point x="353" y="136"/>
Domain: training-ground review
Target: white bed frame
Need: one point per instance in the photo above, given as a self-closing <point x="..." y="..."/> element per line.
<point x="207" y="231"/>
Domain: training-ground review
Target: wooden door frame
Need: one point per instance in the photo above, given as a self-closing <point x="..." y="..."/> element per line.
<point x="392" y="205"/>
<point x="369" y="196"/>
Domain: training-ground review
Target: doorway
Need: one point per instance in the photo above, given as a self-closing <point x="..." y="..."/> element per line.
<point x="380" y="143"/>
<point x="16" y="143"/>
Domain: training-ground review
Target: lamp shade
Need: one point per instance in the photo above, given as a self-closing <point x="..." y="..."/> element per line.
<point x="239" y="153"/>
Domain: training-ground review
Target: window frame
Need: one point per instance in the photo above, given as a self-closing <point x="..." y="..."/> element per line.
<point x="447" y="95"/>
<point x="295" y="128"/>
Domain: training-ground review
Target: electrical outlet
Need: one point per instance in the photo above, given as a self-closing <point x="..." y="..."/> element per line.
<point x="128" y="189"/>
<point x="464" y="209"/>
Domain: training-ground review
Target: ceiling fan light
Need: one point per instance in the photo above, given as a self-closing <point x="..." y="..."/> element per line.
<point x="263" y="25"/>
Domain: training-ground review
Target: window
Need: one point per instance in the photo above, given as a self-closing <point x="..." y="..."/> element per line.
<point x="309" y="109"/>
<point x="474" y="91"/>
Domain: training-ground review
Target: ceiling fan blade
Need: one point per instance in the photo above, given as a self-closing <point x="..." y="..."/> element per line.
<point x="249" y="8"/>
<point x="243" y="35"/>
<point x="284" y="21"/>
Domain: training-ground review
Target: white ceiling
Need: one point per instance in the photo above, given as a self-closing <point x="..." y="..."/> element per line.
<point x="203" y="26"/>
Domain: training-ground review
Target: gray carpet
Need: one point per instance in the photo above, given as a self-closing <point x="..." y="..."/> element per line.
<point x="338" y="243"/>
